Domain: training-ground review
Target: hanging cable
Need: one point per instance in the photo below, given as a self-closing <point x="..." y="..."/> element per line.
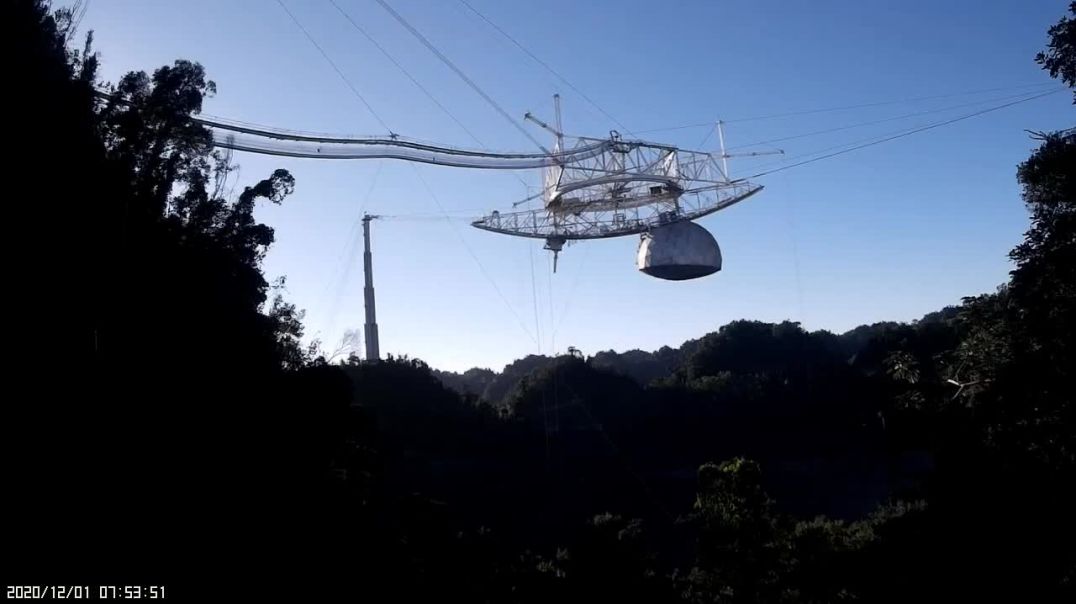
<point x="883" y="103"/>
<point x="790" y="223"/>
<point x="788" y="159"/>
<point x="870" y="139"/>
<point x="906" y="133"/>
<point x="552" y="320"/>
<point x="705" y="140"/>
<point x="403" y="70"/>
<point x="880" y="121"/>
<point x="534" y="299"/>
<point x="424" y="218"/>
<point x="571" y="290"/>
<point x="547" y="67"/>
<point x="537" y="331"/>
<point x="481" y="267"/>
<point x="845" y="107"/>
<point x="459" y="72"/>
<point x="843" y="145"/>
<point x="336" y="68"/>
<point x="413" y="80"/>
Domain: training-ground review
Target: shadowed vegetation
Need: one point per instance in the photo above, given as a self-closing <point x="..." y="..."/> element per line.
<point x="165" y="426"/>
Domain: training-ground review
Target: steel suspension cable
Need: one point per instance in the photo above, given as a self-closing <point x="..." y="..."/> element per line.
<point x="879" y="121"/>
<point x="845" y="107"/>
<point x="413" y="80"/>
<point x="336" y="68"/>
<point x="905" y="133"/>
<point x="547" y="67"/>
<point x="459" y="72"/>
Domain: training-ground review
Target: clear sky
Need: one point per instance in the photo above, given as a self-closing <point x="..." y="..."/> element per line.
<point x="885" y="233"/>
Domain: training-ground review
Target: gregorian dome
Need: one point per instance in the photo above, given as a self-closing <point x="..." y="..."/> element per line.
<point x="678" y="251"/>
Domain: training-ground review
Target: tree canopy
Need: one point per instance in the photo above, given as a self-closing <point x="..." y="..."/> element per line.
<point x="166" y="421"/>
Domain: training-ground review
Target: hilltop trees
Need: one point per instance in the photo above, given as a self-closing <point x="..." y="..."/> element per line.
<point x="1059" y="58"/>
<point x="1013" y="363"/>
<point x="153" y="363"/>
<point x="166" y="419"/>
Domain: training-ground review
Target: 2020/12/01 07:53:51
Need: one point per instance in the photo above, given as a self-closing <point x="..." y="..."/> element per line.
<point x="84" y="592"/>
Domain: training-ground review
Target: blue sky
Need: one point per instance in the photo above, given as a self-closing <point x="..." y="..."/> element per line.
<point x="885" y="233"/>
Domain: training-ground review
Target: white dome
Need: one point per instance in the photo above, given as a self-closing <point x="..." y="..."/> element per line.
<point x="678" y="251"/>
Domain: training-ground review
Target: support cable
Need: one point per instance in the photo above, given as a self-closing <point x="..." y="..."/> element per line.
<point x="534" y="299"/>
<point x="423" y="89"/>
<point x="846" y="107"/>
<point x="572" y="289"/>
<point x="547" y="67"/>
<point x="552" y="314"/>
<point x="459" y="72"/>
<point x="906" y="133"/>
<point x="879" y="121"/>
<point x="337" y="69"/>
<point x="481" y="267"/>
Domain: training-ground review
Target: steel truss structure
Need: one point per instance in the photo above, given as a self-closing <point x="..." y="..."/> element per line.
<point x="628" y="188"/>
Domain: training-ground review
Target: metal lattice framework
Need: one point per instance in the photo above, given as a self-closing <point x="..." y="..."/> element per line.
<point x="627" y="188"/>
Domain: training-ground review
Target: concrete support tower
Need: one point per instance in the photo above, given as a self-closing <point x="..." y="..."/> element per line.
<point x="373" y="353"/>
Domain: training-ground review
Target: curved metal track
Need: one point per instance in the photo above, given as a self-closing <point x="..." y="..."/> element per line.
<point x="315" y="146"/>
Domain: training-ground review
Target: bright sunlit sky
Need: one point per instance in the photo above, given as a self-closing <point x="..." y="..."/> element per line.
<point x="890" y="232"/>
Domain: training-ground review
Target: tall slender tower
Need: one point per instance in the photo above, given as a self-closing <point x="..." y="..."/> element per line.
<point x="373" y="353"/>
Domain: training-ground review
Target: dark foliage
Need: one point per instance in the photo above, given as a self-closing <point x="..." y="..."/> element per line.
<point x="164" y="425"/>
<point x="1059" y="59"/>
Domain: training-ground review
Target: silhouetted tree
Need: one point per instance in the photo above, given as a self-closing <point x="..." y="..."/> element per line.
<point x="160" y="386"/>
<point x="1059" y="58"/>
